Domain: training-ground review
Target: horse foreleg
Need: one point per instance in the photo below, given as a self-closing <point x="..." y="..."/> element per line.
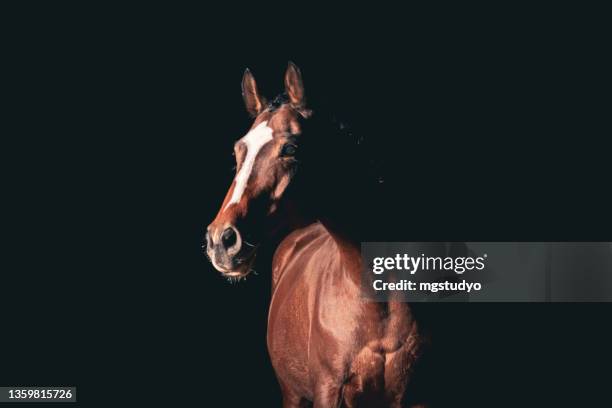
<point x="327" y="395"/>
<point x="291" y="399"/>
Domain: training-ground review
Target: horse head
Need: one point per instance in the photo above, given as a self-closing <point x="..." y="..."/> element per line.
<point x="266" y="162"/>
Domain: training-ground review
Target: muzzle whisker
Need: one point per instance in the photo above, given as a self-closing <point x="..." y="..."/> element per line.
<point x="248" y="243"/>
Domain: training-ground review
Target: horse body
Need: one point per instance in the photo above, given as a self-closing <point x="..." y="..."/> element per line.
<point x="327" y="344"/>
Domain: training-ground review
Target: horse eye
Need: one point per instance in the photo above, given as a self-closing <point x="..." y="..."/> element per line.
<point x="288" y="150"/>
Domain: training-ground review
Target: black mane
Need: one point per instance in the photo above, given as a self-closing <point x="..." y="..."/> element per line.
<point x="338" y="169"/>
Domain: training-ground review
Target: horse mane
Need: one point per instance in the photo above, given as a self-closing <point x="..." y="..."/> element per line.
<point x="342" y="169"/>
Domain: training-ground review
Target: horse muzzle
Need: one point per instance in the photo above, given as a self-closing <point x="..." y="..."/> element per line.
<point x="228" y="253"/>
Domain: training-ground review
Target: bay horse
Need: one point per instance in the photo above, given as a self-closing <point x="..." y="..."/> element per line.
<point x="329" y="347"/>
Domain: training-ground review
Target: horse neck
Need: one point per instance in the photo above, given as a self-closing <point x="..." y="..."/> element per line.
<point x="336" y="179"/>
<point x="331" y="183"/>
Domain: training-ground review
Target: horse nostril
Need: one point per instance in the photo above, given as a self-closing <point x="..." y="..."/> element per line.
<point x="228" y="238"/>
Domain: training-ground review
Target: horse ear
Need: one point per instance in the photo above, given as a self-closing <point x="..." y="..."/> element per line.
<point x="294" y="85"/>
<point x="254" y="102"/>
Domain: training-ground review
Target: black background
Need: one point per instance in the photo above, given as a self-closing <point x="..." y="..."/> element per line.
<point x="119" y="154"/>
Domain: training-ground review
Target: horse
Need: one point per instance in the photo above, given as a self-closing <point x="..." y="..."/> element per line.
<point x="329" y="347"/>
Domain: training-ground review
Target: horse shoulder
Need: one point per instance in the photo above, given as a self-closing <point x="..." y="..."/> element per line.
<point x="290" y="312"/>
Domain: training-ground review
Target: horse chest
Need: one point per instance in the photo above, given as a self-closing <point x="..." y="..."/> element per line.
<point x="315" y="311"/>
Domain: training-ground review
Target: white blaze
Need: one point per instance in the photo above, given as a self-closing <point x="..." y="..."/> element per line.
<point x="254" y="141"/>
